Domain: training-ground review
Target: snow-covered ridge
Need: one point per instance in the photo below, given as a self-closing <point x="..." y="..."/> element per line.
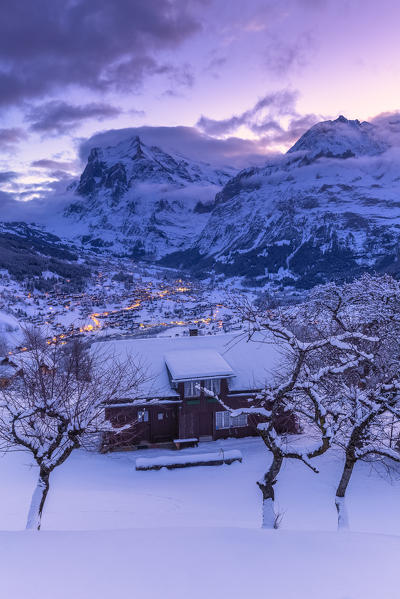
<point x="141" y="162"/>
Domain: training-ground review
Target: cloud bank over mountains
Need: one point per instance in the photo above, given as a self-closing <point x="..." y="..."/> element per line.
<point x="187" y="141"/>
<point x="50" y="196"/>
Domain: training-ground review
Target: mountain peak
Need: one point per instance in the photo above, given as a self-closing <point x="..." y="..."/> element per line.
<point x="342" y="119"/>
<point x="136" y="145"/>
<point x="136" y="141"/>
<point x="340" y="138"/>
<point x="139" y="198"/>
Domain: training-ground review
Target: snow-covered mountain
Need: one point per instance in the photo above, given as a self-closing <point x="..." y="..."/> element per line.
<point x="141" y="200"/>
<point x="326" y="210"/>
<point x="341" y="138"/>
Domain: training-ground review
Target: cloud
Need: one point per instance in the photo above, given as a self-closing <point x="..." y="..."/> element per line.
<point x="295" y="128"/>
<point x="11" y="137"/>
<point x="186" y="141"/>
<point x="387" y="126"/>
<point x="259" y="118"/>
<point x="49" y="164"/>
<point x="274" y="119"/>
<point x="60" y="175"/>
<point x="48" y="45"/>
<point x="7" y="176"/>
<point x="57" y="117"/>
<point x="215" y="65"/>
<point x="283" y="55"/>
<point x="41" y="202"/>
<point x="34" y="206"/>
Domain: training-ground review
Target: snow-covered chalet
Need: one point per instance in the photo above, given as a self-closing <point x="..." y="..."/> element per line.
<point x="172" y="406"/>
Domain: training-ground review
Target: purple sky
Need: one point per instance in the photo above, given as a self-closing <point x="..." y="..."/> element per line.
<point x="227" y="81"/>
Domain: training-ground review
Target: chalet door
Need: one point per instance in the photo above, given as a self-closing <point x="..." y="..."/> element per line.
<point x="188" y="424"/>
<point x="164" y="425"/>
<point x="205" y="424"/>
<point x="143" y="432"/>
<point x="142" y="425"/>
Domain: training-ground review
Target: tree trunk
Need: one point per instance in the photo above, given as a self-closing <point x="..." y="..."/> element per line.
<point x="38" y="500"/>
<point x="343" y="519"/>
<point x="269" y="517"/>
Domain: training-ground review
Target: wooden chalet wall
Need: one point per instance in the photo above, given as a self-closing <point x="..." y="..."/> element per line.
<point x="186" y="418"/>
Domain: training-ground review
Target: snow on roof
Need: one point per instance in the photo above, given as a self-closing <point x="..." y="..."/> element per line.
<point x="252" y="362"/>
<point x="196" y="364"/>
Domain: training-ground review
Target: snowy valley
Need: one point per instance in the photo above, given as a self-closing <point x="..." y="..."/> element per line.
<point x="199" y="299"/>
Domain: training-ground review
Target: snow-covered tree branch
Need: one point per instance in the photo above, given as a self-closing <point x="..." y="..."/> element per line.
<point x="339" y="377"/>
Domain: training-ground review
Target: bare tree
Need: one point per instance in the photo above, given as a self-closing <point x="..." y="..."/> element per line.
<point x="367" y="434"/>
<point x="56" y="405"/>
<point x="340" y="378"/>
<point x="313" y="361"/>
<point x="367" y="396"/>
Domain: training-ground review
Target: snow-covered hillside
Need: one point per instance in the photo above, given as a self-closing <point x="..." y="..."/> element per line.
<point x="194" y="532"/>
<point x="142" y="200"/>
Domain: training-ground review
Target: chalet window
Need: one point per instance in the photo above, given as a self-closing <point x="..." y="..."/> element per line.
<point x="240" y="420"/>
<point x="143" y="415"/>
<point x="121" y="418"/>
<point x="160" y="416"/>
<point x="222" y="420"/>
<point x="192" y="389"/>
<point x="213" y="385"/>
<point x="225" y="420"/>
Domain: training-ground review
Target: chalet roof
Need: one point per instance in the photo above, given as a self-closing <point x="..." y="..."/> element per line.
<point x="252" y="363"/>
<point x="197" y="364"/>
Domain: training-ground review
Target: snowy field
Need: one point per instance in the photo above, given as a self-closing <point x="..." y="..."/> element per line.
<point x="109" y="530"/>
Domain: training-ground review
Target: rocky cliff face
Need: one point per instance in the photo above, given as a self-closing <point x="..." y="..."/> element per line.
<point x="143" y="201"/>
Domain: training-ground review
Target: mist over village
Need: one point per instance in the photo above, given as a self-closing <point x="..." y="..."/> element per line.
<point x="199" y="299"/>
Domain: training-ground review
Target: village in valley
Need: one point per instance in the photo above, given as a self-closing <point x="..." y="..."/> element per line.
<point x="122" y="298"/>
